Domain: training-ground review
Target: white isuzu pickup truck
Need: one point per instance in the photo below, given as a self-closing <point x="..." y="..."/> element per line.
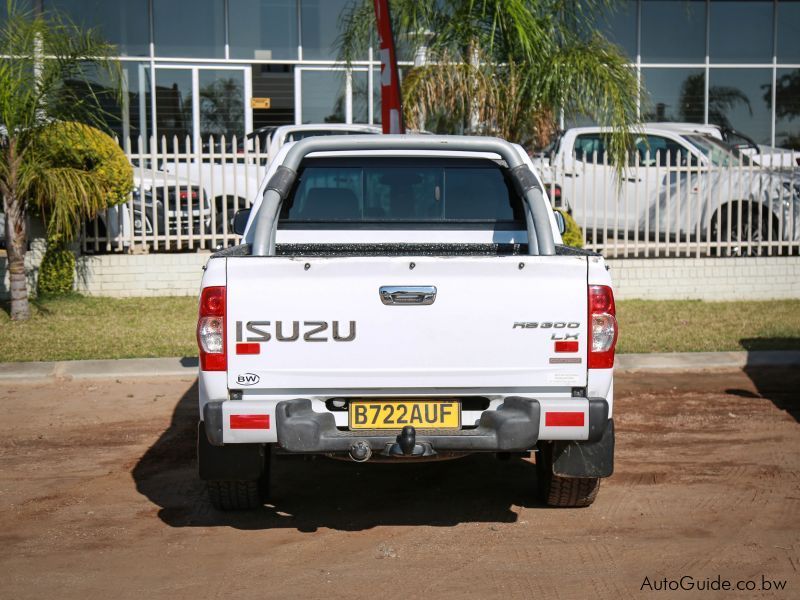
<point x="404" y="298"/>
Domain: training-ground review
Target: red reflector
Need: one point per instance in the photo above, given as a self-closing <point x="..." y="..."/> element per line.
<point x="249" y="421"/>
<point x="566" y="346"/>
<point x="251" y="348"/>
<point x="213" y="362"/>
<point x="563" y="419"/>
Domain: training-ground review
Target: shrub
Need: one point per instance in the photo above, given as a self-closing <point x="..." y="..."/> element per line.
<point x="57" y="271"/>
<point x="573" y="236"/>
<point x="83" y="171"/>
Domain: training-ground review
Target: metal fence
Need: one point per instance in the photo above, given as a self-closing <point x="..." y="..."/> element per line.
<point x="658" y="205"/>
<point x="184" y="198"/>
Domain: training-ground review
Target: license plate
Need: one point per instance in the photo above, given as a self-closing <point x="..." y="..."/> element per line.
<point x="396" y="414"/>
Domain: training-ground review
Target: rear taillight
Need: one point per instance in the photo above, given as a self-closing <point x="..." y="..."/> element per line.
<point x="211" y="329"/>
<point x="603" y="323"/>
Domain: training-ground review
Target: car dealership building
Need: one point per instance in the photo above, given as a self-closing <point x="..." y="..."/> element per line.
<point x="230" y="66"/>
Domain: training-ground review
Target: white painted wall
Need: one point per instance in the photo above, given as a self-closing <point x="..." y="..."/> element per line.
<point x="761" y="278"/>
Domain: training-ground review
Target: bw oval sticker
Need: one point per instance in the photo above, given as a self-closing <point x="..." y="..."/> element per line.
<point x="247" y="379"/>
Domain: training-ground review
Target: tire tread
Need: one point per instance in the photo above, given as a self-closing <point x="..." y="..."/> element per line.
<point x="235" y="495"/>
<point x="571" y="492"/>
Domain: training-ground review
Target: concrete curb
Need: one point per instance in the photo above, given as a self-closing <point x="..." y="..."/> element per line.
<point x="99" y="369"/>
<point x="187" y="367"/>
<point x="701" y="361"/>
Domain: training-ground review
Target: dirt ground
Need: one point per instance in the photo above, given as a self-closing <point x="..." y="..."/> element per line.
<point x="99" y="499"/>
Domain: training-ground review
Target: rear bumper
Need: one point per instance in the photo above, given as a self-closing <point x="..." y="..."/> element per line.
<point x="514" y="426"/>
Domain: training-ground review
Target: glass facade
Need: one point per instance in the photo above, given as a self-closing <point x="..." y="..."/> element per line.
<point x="189" y="28"/>
<point x="735" y="63"/>
<point x="673" y="32"/>
<point x="323" y="96"/>
<point x="263" y="29"/>
<point x="122" y="22"/>
<point x="674" y="95"/>
<point x="320" y="27"/>
<point x="740" y="99"/>
<point x="741" y="32"/>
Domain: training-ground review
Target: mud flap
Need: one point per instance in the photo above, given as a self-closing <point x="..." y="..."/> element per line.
<point x="234" y="462"/>
<point x="585" y="459"/>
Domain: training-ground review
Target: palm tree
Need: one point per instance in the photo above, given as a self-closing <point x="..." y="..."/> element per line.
<point x="505" y="67"/>
<point x="43" y="58"/>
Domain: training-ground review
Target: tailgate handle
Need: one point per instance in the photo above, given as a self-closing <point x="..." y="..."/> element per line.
<point x="407" y="294"/>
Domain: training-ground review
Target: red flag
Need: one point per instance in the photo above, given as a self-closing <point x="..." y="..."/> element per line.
<point x="391" y="109"/>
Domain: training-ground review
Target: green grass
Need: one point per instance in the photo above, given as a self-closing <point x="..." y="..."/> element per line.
<point x="79" y="327"/>
<point x="695" y="326"/>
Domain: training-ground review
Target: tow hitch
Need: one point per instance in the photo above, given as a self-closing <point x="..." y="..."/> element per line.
<point x="407" y="446"/>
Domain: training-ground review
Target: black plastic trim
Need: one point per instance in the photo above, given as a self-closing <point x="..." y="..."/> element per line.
<point x="282" y="181"/>
<point x="513" y="427"/>
<point x="523" y="179"/>
<point x="598" y="418"/>
<point x="212" y="416"/>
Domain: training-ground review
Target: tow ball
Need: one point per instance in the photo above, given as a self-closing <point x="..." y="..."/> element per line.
<point x="407" y="440"/>
<point x="406" y="445"/>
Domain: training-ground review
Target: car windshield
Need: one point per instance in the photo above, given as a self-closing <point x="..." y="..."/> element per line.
<point x="392" y="189"/>
<point x="718" y="153"/>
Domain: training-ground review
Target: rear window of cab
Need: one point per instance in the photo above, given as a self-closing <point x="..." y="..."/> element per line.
<point x="402" y="190"/>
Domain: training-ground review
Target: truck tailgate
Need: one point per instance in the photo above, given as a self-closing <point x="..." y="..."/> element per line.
<point x="320" y="323"/>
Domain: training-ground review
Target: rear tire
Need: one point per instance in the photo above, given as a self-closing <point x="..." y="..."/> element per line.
<point x="571" y="492"/>
<point x="563" y="492"/>
<point x="747" y="239"/>
<point x="236" y="495"/>
<point x="237" y="476"/>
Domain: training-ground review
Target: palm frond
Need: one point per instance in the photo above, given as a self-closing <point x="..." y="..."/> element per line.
<point x="515" y="65"/>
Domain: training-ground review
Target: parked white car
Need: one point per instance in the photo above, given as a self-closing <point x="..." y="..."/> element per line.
<point x="162" y="204"/>
<point x="272" y="139"/>
<point x="232" y="179"/>
<point x="677" y="183"/>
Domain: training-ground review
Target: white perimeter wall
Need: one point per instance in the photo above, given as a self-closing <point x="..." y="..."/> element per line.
<point x="654" y="279"/>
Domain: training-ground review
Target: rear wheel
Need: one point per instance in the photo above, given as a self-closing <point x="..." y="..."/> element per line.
<point x="237" y="476"/>
<point x="566" y="492"/>
<point x="746" y="235"/>
<point x="237" y="495"/>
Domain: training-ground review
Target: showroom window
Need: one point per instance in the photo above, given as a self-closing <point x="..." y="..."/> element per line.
<point x="788" y="22"/>
<point x="619" y="26"/>
<point x="263" y="29"/>
<point x="787" y="108"/>
<point x="320" y="23"/>
<point x="740" y="99"/>
<point x="674" y="95"/>
<point x="189" y="28"/>
<point x="740" y="32"/>
<point x="323" y="96"/>
<point x="124" y="23"/>
<point x="673" y="32"/>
